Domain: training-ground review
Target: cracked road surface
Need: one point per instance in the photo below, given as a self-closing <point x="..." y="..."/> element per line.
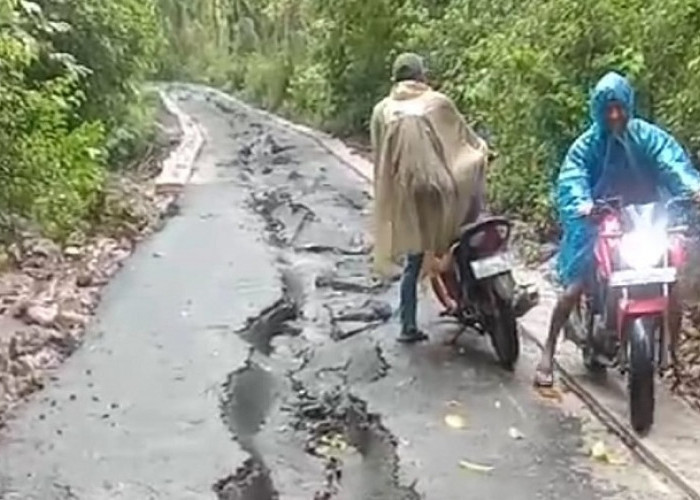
<point x="245" y="353"/>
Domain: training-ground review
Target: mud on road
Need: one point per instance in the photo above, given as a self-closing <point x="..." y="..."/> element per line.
<point x="255" y="359"/>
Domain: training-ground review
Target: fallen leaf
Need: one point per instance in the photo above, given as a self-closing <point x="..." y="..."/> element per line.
<point x="335" y="441"/>
<point x="325" y="451"/>
<point x="515" y="434"/>
<point x="455" y="421"/>
<point x="475" y="467"/>
<point x="600" y="453"/>
<point x="550" y="393"/>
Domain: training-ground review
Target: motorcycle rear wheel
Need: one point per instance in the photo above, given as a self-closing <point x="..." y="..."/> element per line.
<point x="502" y="324"/>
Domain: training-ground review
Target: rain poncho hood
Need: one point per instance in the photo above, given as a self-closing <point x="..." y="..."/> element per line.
<point x="641" y="164"/>
<point x="429" y="173"/>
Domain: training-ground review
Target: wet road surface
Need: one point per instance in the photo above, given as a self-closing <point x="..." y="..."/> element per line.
<point x="245" y="353"/>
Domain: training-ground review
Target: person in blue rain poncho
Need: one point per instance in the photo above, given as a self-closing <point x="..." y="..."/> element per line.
<point x="618" y="155"/>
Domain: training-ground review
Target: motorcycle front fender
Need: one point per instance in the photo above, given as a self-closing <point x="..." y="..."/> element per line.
<point x="501" y="286"/>
<point x="630" y="309"/>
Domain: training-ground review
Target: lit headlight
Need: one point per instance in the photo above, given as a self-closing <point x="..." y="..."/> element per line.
<point x="643" y="249"/>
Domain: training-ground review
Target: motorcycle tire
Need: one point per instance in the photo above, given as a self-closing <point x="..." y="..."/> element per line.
<point x="503" y="326"/>
<point x="640" y="339"/>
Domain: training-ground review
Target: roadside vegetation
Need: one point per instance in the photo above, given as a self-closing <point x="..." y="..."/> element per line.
<point x="71" y="106"/>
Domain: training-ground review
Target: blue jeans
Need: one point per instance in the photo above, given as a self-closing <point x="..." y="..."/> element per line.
<point x="408" y="302"/>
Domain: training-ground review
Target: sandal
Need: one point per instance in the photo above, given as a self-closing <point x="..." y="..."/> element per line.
<point x="544" y="379"/>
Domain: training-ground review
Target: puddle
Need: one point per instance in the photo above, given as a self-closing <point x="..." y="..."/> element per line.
<point x="248" y="396"/>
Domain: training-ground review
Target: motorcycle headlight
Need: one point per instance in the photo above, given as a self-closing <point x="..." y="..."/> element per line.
<point x="643" y="249"/>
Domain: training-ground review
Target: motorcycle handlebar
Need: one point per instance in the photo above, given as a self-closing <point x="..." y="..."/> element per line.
<point x="605" y="206"/>
<point x="681" y="201"/>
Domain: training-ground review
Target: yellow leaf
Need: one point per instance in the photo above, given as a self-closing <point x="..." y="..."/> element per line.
<point x="475" y="467"/>
<point x="455" y="421"/>
<point x="601" y="453"/>
<point x="515" y="433"/>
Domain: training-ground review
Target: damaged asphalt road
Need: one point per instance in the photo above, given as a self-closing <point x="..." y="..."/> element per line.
<point x="255" y="359"/>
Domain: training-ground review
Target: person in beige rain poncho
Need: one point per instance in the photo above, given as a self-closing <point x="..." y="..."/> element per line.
<point x="429" y="169"/>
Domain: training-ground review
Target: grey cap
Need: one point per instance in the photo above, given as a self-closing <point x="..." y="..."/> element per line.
<point x="408" y="66"/>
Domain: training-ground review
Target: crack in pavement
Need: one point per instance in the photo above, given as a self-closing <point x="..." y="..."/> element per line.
<point x="249" y="394"/>
<point x="249" y="390"/>
<point x="336" y="418"/>
<point x="273" y="321"/>
<point x="251" y="481"/>
<point x="320" y="249"/>
<point x="370" y="315"/>
<point x="284" y="218"/>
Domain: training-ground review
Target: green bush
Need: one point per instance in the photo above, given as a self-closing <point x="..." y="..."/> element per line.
<point x="310" y="93"/>
<point x="71" y="73"/>
<point x="51" y="172"/>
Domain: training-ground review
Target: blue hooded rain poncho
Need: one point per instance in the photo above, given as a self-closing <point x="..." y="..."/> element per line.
<point x="642" y="165"/>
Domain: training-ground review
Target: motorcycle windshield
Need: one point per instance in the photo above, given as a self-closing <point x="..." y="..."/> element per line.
<point x="648" y="217"/>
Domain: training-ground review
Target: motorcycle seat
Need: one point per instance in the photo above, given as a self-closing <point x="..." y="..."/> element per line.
<point x="472" y="228"/>
<point x="475" y="234"/>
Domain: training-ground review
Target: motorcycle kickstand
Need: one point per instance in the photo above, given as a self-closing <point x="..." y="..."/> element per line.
<point x="452" y="341"/>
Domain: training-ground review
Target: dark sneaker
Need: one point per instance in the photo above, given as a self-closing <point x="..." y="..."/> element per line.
<point x="412" y="336"/>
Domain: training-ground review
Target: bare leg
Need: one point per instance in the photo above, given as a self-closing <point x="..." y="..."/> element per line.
<point x="443" y="295"/>
<point x="565" y="304"/>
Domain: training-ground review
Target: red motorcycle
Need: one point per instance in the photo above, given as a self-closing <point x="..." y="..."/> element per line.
<point x="623" y="318"/>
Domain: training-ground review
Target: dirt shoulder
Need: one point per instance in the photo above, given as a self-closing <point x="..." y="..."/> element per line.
<point x="48" y="293"/>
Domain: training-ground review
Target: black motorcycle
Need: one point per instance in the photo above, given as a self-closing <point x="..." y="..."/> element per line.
<point x="480" y="281"/>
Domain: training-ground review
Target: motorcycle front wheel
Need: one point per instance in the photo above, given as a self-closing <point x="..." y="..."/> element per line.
<point x="641" y="334"/>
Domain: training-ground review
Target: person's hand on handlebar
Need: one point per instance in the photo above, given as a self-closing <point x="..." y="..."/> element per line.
<point x="586" y="209"/>
<point x="696" y="197"/>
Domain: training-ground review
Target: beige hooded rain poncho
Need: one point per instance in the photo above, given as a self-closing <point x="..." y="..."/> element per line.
<point x="429" y="169"/>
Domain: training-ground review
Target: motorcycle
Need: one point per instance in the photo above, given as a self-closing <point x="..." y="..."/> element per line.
<point x="480" y="281"/>
<point x="623" y="318"/>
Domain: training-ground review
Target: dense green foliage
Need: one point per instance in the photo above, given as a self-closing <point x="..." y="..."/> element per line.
<point x="519" y="69"/>
<point x="70" y="73"/>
